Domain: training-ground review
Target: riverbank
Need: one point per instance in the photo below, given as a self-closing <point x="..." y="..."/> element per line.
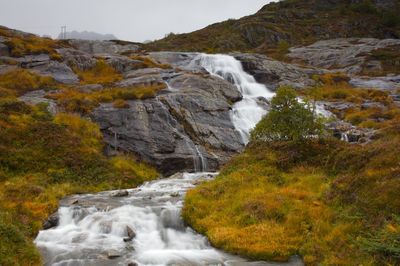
<point x="331" y="202"/>
<point x="142" y="226"/>
<point x="43" y="159"/>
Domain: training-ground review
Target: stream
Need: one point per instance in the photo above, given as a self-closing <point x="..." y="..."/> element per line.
<point x="94" y="229"/>
<point x="143" y="226"/>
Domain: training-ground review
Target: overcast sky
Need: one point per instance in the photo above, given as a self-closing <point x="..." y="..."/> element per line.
<point x="134" y="20"/>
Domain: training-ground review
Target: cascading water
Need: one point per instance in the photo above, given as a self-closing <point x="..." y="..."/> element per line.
<point x="146" y="228"/>
<point x="247" y="112"/>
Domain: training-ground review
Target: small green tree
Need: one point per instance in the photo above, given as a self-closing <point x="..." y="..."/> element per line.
<point x="288" y="119"/>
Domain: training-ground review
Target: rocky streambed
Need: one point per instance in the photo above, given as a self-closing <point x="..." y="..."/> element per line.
<point x="140" y="226"/>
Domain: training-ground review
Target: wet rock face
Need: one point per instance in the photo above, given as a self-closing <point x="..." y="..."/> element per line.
<point x="52" y="221"/>
<point x="186" y="128"/>
<point x="274" y="73"/>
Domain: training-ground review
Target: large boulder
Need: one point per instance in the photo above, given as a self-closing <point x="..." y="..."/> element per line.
<point x="274" y="73"/>
<point x="43" y="65"/>
<point x="187" y="128"/>
<point x="176" y="59"/>
<point x="76" y="58"/>
<point x="39" y="97"/>
<point x="57" y="70"/>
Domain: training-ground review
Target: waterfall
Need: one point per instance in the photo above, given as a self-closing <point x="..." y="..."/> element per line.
<point x="200" y="163"/>
<point x="344" y="137"/>
<point x="203" y="160"/>
<point x="248" y="112"/>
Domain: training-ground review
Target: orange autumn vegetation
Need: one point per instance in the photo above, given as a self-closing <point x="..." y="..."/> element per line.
<point x="44" y="158"/>
<point x="22" y="81"/>
<point x="331" y="202"/>
<point x="74" y="100"/>
<point x="336" y="88"/>
<point x="147" y="62"/>
<point x="27" y="44"/>
<point x="101" y="73"/>
<point x="120" y="103"/>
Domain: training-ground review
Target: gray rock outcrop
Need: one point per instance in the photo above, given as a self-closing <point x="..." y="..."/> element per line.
<point x="104" y="47"/>
<point x="186" y="128"/>
<point x="345" y="55"/>
<point x="274" y="73"/>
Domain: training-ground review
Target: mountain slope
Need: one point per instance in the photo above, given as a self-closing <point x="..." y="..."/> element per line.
<point x="291" y="22"/>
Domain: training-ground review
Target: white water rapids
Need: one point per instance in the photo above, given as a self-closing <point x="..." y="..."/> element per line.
<point x="97" y="229"/>
<point x="249" y="111"/>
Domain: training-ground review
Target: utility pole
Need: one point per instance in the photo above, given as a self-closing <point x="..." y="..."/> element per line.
<point x="64" y="32"/>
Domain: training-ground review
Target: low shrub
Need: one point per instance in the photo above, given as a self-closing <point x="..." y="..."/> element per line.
<point x="21" y="81"/>
<point x="287" y="119"/>
<point x="101" y="73"/>
<point x="73" y="100"/>
<point x="147" y="62"/>
<point x="122" y="104"/>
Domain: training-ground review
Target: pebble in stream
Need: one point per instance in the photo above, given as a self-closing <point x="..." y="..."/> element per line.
<point x="92" y="229"/>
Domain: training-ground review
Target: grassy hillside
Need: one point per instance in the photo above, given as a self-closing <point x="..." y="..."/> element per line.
<point x="278" y="26"/>
<point x="331" y="202"/>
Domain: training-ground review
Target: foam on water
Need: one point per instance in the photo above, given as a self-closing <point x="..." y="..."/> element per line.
<point x="249" y="111"/>
<point x="87" y="235"/>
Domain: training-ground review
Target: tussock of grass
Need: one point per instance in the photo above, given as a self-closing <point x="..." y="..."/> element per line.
<point x="148" y="63"/>
<point x="73" y="100"/>
<point x="336" y="88"/>
<point x="120" y="103"/>
<point x="22" y="80"/>
<point x="101" y="73"/>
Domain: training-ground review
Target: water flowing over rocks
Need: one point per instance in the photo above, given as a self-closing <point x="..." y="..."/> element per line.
<point x="143" y="229"/>
<point x="274" y="73"/>
<point x="179" y="127"/>
<point x="349" y="133"/>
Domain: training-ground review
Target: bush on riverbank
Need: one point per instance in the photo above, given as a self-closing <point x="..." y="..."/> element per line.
<point x="288" y="119"/>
